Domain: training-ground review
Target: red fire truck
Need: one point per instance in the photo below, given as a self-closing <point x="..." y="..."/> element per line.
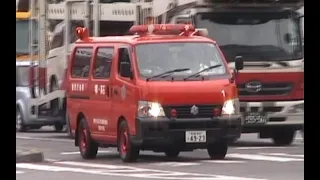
<point x="166" y="89"/>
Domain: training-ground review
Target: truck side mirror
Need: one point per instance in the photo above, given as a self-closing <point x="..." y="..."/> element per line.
<point x="238" y="63"/>
<point x="125" y="70"/>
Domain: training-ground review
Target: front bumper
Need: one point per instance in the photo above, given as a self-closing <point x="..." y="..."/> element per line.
<point x="155" y="133"/>
<point x="279" y="114"/>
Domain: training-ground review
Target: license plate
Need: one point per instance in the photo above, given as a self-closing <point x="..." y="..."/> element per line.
<point x="196" y="136"/>
<point x="255" y="118"/>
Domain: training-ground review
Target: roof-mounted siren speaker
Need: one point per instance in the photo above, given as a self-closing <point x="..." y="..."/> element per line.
<point x="203" y="32"/>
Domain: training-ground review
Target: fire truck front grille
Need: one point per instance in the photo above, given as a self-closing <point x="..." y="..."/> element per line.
<point x="204" y="111"/>
<point x="268" y="89"/>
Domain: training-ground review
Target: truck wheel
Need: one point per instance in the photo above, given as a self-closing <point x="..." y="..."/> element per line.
<point x="54" y="104"/>
<point x="87" y="147"/>
<point x="218" y="150"/>
<point x="20" y="127"/>
<point x="128" y="152"/>
<point x="69" y="130"/>
<point x="58" y="127"/>
<point x="172" y="152"/>
<point x="283" y="137"/>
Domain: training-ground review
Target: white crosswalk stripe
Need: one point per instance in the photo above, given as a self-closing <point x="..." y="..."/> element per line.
<point x="122" y="171"/>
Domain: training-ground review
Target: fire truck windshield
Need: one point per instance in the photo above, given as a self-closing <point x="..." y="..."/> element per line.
<point x="157" y="58"/>
<point x="256" y="36"/>
<point x="22" y="36"/>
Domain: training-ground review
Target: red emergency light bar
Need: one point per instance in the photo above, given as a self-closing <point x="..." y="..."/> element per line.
<point x="163" y="29"/>
<point x="83" y="33"/>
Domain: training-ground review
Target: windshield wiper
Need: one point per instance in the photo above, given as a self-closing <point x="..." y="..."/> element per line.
<point x="168" y="73"/>
<point x="203" y="70"/>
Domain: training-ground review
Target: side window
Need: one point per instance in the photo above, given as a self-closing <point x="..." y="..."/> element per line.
<point x="102" y="65"/>
<point x="124" y="57"/>
<point x="81" y="62"/>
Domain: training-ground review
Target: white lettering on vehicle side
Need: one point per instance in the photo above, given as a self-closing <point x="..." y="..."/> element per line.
<point x="77" y="87"/>
<point x="100" y="89"/>
<point x="102" y="123"/>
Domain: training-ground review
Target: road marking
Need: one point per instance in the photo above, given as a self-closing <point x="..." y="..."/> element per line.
<point x="262" y="157"/>
<point x="19" y="172"/>
<point x="77" y="152"/>
<point x="178" y="164"/>
<point x="262" y="147"/>
<point x="284" y="154"/>
<point x="125" y="171"/>
<point x="223" y="161"/>
<point x="44" y="139"/>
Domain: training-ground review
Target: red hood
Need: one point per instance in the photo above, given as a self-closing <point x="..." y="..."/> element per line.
<point x="187" y="92"/>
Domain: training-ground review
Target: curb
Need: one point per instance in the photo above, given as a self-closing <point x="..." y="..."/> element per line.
<point x="25" y="155"/>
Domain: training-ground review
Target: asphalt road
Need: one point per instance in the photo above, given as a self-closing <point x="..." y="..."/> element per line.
<point x="249" y="159"/>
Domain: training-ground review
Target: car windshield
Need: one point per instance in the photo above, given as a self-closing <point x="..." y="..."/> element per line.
<point x="22" y="75"/>
<point x="157" y="58"/>
<point x="255" y="36"/>
<point x="22" y="36"/>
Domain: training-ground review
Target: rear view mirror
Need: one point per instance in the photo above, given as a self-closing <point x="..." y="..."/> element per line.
<point x="125" y="70"/>
<point x="238" y="63"/>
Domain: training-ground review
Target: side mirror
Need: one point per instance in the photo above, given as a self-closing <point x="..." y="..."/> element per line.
<point x="125" y="70"/>
<point x="238" y="63"/>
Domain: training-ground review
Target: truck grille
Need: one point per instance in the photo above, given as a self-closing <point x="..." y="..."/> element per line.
<point x="268" y="89"/>
<point x="268" y="109"/>
<point x="205" y="111"/>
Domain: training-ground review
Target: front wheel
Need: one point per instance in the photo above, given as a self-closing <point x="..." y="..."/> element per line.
<point x="218" y="150"/>
<point x="128" y="152"/>
<point x="20" y="127"/>
<point x="284" y="137"/>
<point x="87" y="147"/>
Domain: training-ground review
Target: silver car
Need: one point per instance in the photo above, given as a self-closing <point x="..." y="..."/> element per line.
<point x="26" y="116"/>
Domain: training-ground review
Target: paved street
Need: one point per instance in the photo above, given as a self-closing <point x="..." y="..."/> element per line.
<point x="248" y="159"/>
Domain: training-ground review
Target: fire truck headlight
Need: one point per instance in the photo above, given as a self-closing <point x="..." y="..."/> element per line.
<point x="298" y="108"/>
<point x="150" y="109"/>
<point x="231" y="107"/>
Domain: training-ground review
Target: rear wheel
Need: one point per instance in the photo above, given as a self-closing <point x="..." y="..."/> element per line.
<point x="58" y="127"/>
<point x="172" y="152"/>
<point x="283" y="137"/>
<point x="218" y="150"/>
<point x="128" y="152"/>
<point x="20" y="127"/>
<point x="87" y="147"/>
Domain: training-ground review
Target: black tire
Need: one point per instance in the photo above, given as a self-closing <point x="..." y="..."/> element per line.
<point x="128" y="152"/>
<point x="20" y="126"/>
<point x="218" y="150"/>
<point x="87" y="147"/>
<point x="54" y="104"/>
<point x="58" y="127"/>
<point x="284" y="137"/>
<point x="69" y="130"/>
<point x="172" y="152"/>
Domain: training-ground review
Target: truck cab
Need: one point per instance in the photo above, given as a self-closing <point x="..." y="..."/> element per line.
<point x="165" y="89"/>
<point x="268" y="37"/>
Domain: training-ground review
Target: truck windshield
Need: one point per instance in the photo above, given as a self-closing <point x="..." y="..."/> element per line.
<point x="158" y="58"/>
<point x="257" y="36"/>
<point x="22" y="36"/>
